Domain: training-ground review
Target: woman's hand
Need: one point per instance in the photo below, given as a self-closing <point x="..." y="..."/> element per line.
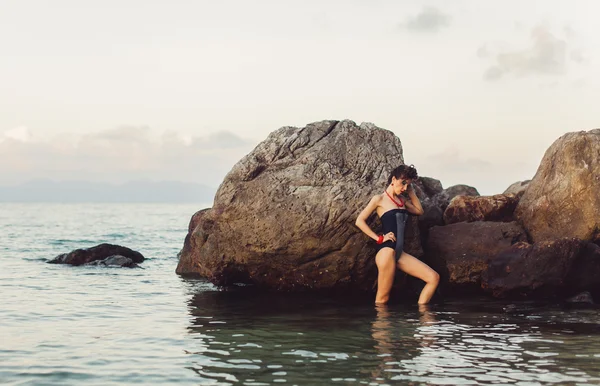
<point x="414" y="204"/>
<point x="389" y="236"/>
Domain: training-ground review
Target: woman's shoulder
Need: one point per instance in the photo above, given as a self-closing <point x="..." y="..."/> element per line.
<point x="376" y="199"/>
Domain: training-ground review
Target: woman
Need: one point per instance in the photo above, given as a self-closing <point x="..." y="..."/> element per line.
<point x="393" y="212"/>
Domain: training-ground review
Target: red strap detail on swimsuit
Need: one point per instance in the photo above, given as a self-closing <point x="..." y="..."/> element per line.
<point x="400" y="205"/>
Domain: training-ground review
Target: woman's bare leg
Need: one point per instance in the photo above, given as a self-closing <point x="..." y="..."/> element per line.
<point x="418" y="269"/>
<point x="386" y="268"/>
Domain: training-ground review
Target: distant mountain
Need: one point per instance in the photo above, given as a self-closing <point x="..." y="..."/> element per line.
<point x="85" y="191"/>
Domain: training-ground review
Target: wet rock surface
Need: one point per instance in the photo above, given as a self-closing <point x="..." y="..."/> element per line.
<point x="460" y="252"/>
<point x="532" y="269"/>
<point x="114" y="261"/>
<point x="110" y="254"/>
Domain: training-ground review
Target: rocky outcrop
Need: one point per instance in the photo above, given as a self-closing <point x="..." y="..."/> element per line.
<point x="412" y="236"/>
<point x="458" y="253"/>
<point x="562" y="199"/>
<point x="585" y="272"/>
<point x="441" y="198"/>
<point x="435" y="200"/>
<point x="499" y="207"/>
<point x="105" y="254"/>
<point x="518" y="188"/>
<point x="458" y="190"/>
<point x="283" y="218"/>
<point x="531" y="269"/>
<point x="428" y="187"/>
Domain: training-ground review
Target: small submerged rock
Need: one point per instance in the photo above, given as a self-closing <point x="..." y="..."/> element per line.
<point x="115" y="261"/>
<point x="101" y="255"/>
<point x="583" y="298"/>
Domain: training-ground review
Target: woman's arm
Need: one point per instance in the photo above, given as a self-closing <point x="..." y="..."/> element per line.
<point x="414" y="206"/>
<point x="361" y="220"/>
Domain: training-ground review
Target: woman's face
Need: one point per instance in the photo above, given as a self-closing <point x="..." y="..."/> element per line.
<point x="400" y="185"/>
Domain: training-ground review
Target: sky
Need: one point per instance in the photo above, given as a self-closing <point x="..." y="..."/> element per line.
<point x="113" y="91"/>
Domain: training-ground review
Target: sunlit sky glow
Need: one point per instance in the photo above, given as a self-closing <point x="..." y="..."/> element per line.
<point x="181" y="90"/>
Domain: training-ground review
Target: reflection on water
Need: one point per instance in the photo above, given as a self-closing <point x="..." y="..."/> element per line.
<point x="258" y="339"/>
<point x="63" y="325"/>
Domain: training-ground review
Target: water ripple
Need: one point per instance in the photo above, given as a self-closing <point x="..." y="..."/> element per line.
<point x="66" y="325"/>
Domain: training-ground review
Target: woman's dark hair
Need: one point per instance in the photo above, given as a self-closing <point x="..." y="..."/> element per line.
<point x="407" y="172"/>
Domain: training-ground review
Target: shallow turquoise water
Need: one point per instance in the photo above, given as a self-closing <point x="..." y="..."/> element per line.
<point x="66" y="325"/>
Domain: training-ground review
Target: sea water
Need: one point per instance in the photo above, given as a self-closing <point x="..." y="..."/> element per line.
<point x="63" y="325"/>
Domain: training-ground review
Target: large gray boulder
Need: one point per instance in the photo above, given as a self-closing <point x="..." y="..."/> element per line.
<point x="283" y="218"/>
<point x="563" y="198"/>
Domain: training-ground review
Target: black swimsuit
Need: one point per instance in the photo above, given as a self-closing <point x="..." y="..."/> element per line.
<point x="394" y="221"/>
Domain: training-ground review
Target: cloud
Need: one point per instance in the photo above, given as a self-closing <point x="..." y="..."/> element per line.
<point x="124" y="133"/>
<point x="122" y="154"/>
<point x="483" y="52"/>
<point x="548" y="54"/>
<point x="451" y="160"/>
<point x="21" y="133"/>
<point x="225" y="139"/>
<point x="428" y="20"/>
<point x="578" y="56"/>
<point x="579" y="83"/>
